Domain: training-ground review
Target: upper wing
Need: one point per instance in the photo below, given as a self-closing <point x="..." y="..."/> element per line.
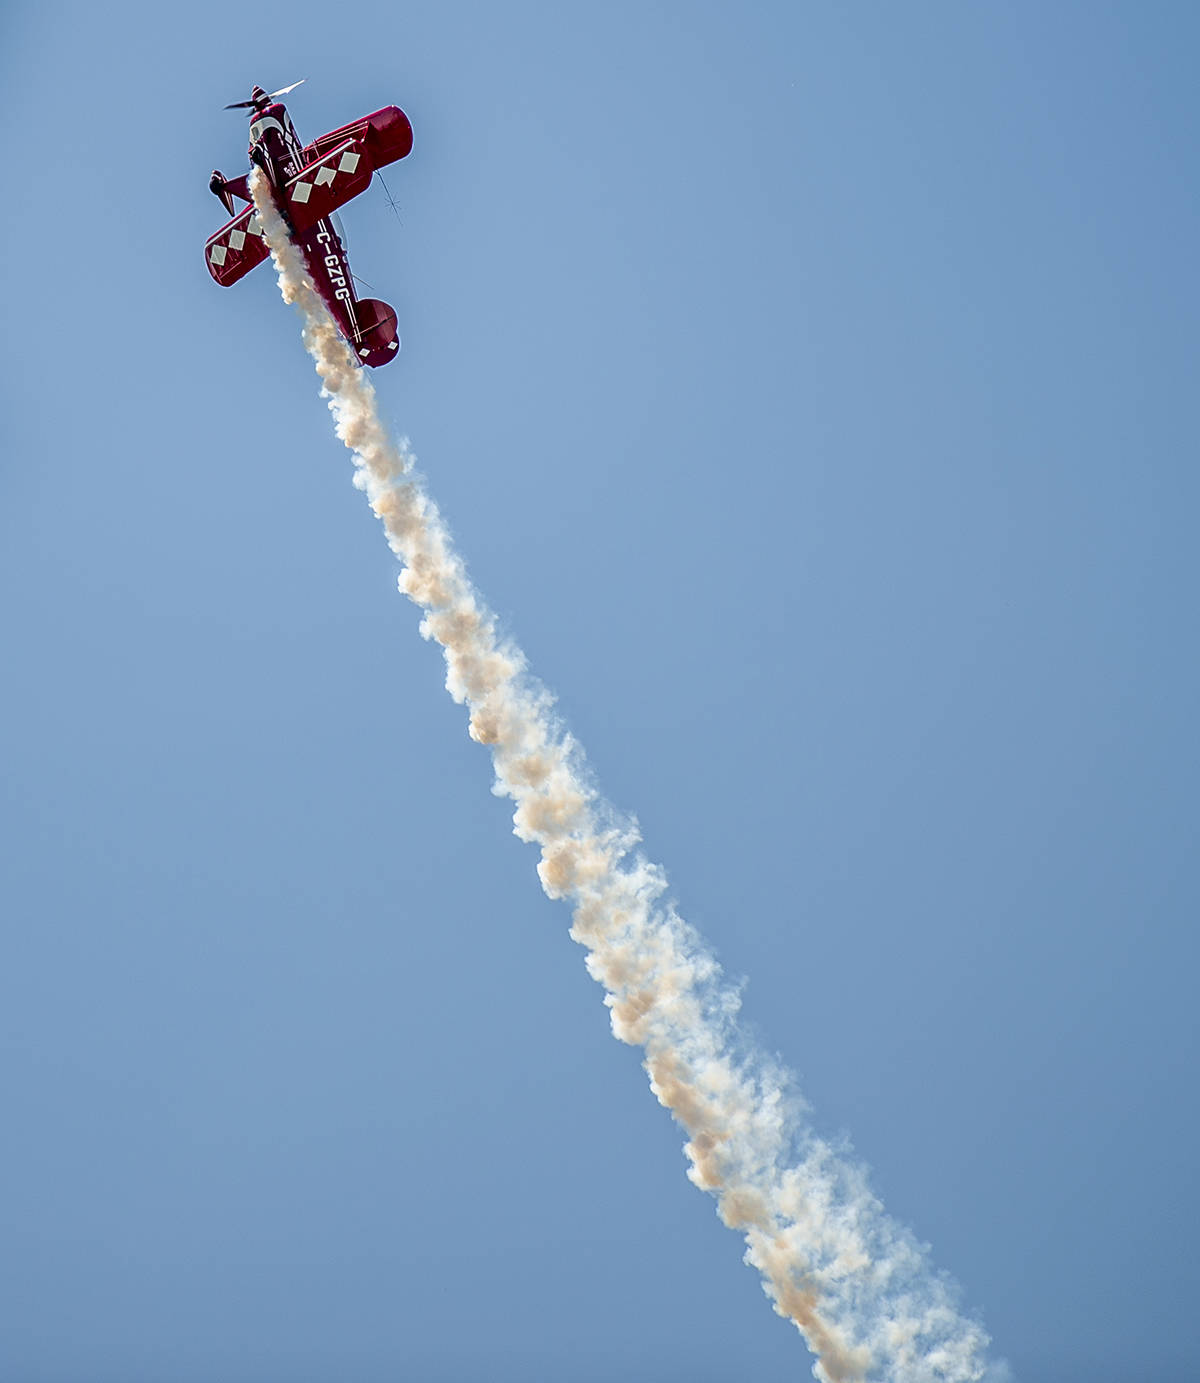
<point x="236" y="248"/>
<point x="339" y="165"/>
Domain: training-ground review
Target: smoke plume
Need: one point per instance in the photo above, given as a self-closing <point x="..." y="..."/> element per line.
<point x="856" y="1285"/>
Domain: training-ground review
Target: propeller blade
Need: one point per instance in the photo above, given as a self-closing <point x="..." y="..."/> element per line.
<point x="283" y="91"/>
<point x="239" y="105"/>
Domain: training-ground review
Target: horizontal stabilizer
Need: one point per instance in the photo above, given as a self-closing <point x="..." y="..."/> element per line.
<point x="377" y="341"/>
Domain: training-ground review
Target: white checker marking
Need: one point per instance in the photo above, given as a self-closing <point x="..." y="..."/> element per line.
<point x="347" y="163"/>
<point x="301" y="192"/>
<point x="217" y="255"/>
<point x="324" y="175"/>
<point x="237" y="239"/>
<point x="254" y="225"/>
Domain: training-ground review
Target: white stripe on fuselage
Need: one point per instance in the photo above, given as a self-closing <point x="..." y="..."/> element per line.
<point x="338" y="271"/>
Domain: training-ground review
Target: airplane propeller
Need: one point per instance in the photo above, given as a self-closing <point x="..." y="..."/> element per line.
<point x="258" y="97"/>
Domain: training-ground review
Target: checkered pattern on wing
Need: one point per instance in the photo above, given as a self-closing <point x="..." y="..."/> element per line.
<point x="327" y="183"/>
<point x="323" y="173"/>
<point x="236" y="248"/>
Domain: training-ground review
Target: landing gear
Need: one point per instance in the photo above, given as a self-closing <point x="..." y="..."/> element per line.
<point x="220" y="189"/>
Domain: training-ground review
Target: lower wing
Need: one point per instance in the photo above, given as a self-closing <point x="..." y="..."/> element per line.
<point x="236" y="248"/>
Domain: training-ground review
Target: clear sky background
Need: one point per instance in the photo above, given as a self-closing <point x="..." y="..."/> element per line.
<point x="812" y="390"/>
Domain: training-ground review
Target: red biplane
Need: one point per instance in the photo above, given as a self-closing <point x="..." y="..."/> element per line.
<point x="309" y="182"/>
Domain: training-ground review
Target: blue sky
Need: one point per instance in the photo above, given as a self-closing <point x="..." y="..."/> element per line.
<point x="811" y="389"/>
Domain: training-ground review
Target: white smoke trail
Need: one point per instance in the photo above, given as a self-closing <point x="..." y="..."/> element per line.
<point x="856" y="1285"/>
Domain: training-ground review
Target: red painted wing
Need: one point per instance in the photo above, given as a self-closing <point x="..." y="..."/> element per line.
<point x="386" y="133"/>
<point x="325" y="184"/>
<point x="236" y="248"/>
<point x="339" y="165"/>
